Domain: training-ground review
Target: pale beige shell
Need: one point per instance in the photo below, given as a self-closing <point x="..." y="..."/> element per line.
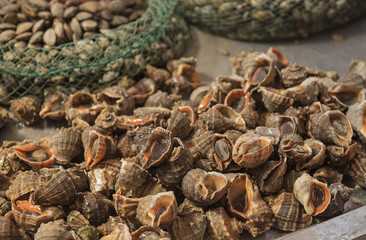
<point x="153" y="233"/>
<point x="54" y="230"/>
<point x="112" y="223"/>
<point x="25" y="110"/>
<point x="120" y="232"/>
<point x="76" y="220"/>
<point x="293" y="147"/>
<point x="53" y="106"/>
<point x="356" y="115"/>
<point x="279" y="60"/>
<point x="121" y="101"/>
<point x="126" y="207"/>
<point x="341" y="156"/>
<point x="328" y="174"/>
<point x="275" y="100"/>
<point x="142" y="90"/>
<point x="317" y="158"/>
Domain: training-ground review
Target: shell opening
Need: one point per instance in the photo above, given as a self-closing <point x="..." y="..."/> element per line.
<point x="339" y="126"/>
<point x="238" y="195"/>
<point x="319" y="198"/>
<point x="287" y="127"/>
<point x="259" y="74"/>
<point x="35" y="156"/>
<point x="205" y="101"/>
<point x="96" y="150"/>
<point x="156" y="149"/>
<point x="27" y="208"/>
<point x="280" y="57"/>
<point x="159" y="212"/>
<point x="82" y="101"/>
<point x="223" y="150"/>
<point x="189" y="72"/>
<point x="189" y="112"/>
<point x="212" y="183"/>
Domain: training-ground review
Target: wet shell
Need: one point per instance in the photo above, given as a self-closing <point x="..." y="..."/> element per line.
<point x="118" y="98"/>
<point x="65" y="144"/>
<point x="221" y="226"/>
<point x="35" y="155"/>
<point x="269" y="176"/>
<point x="53" y="106"/>
<point x="357" y="117"/>
<point x="252" y="153"/>
<point x="312" y="194"/>
<point x="204" y="188"/>
<point x="142" y="90"/>
<point x="76" y="220"/>
<point x="24" y="184"/>
<point x="54" y="230"/>
<point x="153" y="233"/>
<point x="126" y="207"/>
<point x="331" y="127"/>
<point x="9" y="230"/>
<point x="94" y="207"/>
<point x="190" y="222"/>
<point x="158" y="148"/>
<point x="275" y="100"/>
<point x="340" y="156"/>
<point x="82" y="105"/>
<point x="103" y="177"/>
<point x="293" y="147"/>
<point x="220" y="118"/>
<point x="318" y="155"/>
<point x="184" y="80"/>
<point x="157" y="210"/>
<point x="288" y="213"/>
<point x="97" y="147"/>
<point x="328" y="174"/>
<point x="25" y="109"/>
<point x="357" y="167"/>
<point x="175" y="168"/>
<point x="29" y="217"/>
<point x="245" y="202"/>
<point x="62" y="189"/>
<point x="181" y="122"/>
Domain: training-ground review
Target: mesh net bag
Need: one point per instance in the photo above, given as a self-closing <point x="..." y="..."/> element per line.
<point x="270" y="19"/>
<point x="98" y="61"/>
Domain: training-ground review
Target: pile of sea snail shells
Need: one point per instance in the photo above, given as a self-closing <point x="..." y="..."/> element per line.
<point x="266" y="147"/>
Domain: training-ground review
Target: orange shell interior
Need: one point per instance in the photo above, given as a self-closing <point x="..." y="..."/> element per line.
<point x="21" y="151"/>
<point x="185" y="68"/>
<point x="25" y="205"/>
<point x="326" y="202"/>
<point x="280" y="57"/>
<point x="101" y="151"/>
<point x="205" y="101"/>
<point x="237" y="93"/>
<point x="189" y="111"/>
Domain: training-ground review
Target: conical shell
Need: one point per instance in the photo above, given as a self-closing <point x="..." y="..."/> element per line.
<point x="293" y="147"/>
<point x="112" y="223"/>
<point x="9" y="230"/>
<point x="131" y="177"/>
<point x="312" y="194"/>
<point x="5" y="206"/>
<point x="54" y="230"/>
<point x="328" y="174"/>
<point x="118" y="98"/>
<point x="76" y="220"/>
<point x="66" y="144"/>
<point x="126" y="207"/>
<point x="181" y="122"/>
<point x="120" y="232"/>
<point x="197" y="95"/>
<point x="142" y="90"/>
<point x="53" y="106"/>
<point x="237" y="99"/>
<point x="341" y="156"/>
<point x="293" y="74"/>
<point x="287" y="212"/>
<point x="357" y="167"/>
<point x="222" y="152"/>
<point x="274" y="100"/>
<point x="184" y="80"/>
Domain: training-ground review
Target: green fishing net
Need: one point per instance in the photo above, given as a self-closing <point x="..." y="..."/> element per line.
<point x="102" y="60"/>
<point x="270" y="19"/>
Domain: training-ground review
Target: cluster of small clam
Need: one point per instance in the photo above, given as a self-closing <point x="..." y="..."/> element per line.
<point x="265" y="148"/>
<point x="35" y="23"/>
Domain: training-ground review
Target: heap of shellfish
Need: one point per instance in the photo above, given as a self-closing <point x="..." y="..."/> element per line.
<point x="167" y="158"/>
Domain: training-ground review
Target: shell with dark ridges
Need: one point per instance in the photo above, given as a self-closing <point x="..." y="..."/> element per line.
<point x="222" y="151"/>
<point x="54" y="230"/>
<point x="181" y="122"/>
<point x="293" y="147"/>
<point x="126" y="207"/>
<point x="317" y="157"/>
<point x="290" y="178"/>
<point x="142" y="90"/>
<point x="341" y="156"/>
<point x="157" y="210"/>
<point x="306" y="93"/>
<point x="9" y="230"/>
<point x="5" y="206"/>
<point x="160" y="99"/>
<point x="275" y="100"/>
<point x="66" y="144"/>
<point x="328" y="175"/>
<point x="204" y="188"/>
<point x="88" y="232"/>
<point x="190" y="222"/>
<point x="293" y="74"/>
<point x="127" y="145"/>
<point x="286" y="124"/>
<point x="35" y="155"/>
<point x="184" y="79"/>
<point x="118" y="98"/>
<point x="203" y="143"/>
<point x="357" y="167"/>
<point x="76" y="220"/>
<point x="197" y="95"/>
<point x="131" y="177"/>
<point x="53" y="106"/>
<point x="356" y="114"/>
<point x="287" y="212"/>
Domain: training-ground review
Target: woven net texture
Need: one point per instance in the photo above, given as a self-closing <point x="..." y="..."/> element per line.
<point x="270" y="19"/>
<point x="98" y="61"/>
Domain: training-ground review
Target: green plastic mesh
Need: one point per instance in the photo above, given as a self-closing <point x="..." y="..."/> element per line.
<point x="270" y="19"/>
<point x="98" y="61"/>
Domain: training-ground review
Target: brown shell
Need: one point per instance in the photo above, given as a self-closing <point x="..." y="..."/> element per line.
<point x="287" y="212"/>
<point x="160" y="99"/>
<point x="158" y="75"/>
<point x="272" y="133"/>
<point x="158" y="148"/>
<point x="112" y="223"/>
<point x="286" y="124"/>
<point x="222" y="151"/>
<point x="54" y="230"/>
<point x="204" y="188"/>
<point x="339" y="195"/>
<point x="197" y="95"/>
<point x="35" y="155"/>
<point x="184" y="80"/>
<point x="344" y="95"/>
<point x="24" y="184"/>
<point x="237" y="99"/>
<point x="358" y="66"/>
<point x="293" y="147"/>
<point x="220" y="118"/>
<point x="190" y="222"/>
<point x="157" y="210"/>
<point x="82" y="105"/>
<point x="269" y="176"/>
<point x="5" y="206"/>
<point x="150" y="233"/>
<point x="331" y="127"/>
<point x="293" y="74"/>
<point x="121" y="101"/>
<point x="252" y="153"/>
<point x="89" y="232"/>
<point x="120" y="232"/>
<point x="301" y="113"/>
<point x="107" y="121"/>
<point x="53" y="106"/>
<point x="181" y="122"/>
<point x="279" y="60"/>
<point x="250" y="116"/>
<point x="127" y="145"/>
<point x="142" y="90"/>
<point x="79" y="124"/>
<point x="221" y="226"/>
<point x="95" y="207"/>
<point x="328" y="174"/>
<point x="66" y="144"/>
<point x="245" y="202"/>
<point x="97" y="147"/>
<point x="62" y="189"/>
<point x="103" y="177"/>
<point x="233" y="135"/>
<point x="126" y="207"/>
<point x="318" y="155"/>
<point x="312" y="194"/>
<point x="356" y="114"/>
<point x="76" y="220"/>
<point x="357" y="167"/>
<point x="341" y="156"/>
<point x="175" y="168"/>
<point x="29" y="217"/>
<point x="290" y="178"/>
<point x="131" y="177"/>
<point x="173" y="64"/>
<point x="352" y="79"/>
<point x="25" y="110"/>
<point x="203" y="143"/>
<point x="9" y="230"/>
<point x="275" y="100"/>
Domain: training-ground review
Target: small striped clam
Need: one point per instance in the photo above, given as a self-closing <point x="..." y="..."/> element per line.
<point x="267" y="148"/>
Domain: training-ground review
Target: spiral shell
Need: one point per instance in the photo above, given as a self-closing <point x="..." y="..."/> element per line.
<point x="142" y="90"/>
<point x="53" y="106"/>
<point x="126" y="207"/>
<point x="318" y="155"/>
<point x="76" y="220"/>
<point x="35" y="155"/>
<point x="341" y="156"/>
<point x="293" y="147"/>
<point x="357" y="117"/>
<point x="181" y="122"/>
<point x="293" y="74"/>
<point x="184" y="80"/>
<point x="121" y="101"/>
<point x="275" y="100"/>
<point x="357" y="167"/>
<point x="146" y="232"/>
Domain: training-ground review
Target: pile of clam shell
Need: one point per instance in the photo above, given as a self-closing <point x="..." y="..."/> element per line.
<point x="37" y="23"/>
<point x="269" y="147"/>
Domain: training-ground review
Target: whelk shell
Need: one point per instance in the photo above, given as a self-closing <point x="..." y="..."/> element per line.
<point x="54" y="230"/>
<point x="181" y="122"/>
<point x="293" y="74"/>
<point x="275" y="100"/>
<point x="237" y="99"/>
<point x="341" y="156"/>
<point x="142" y="90"/>
<point x="76" y="220"/>
<point x="293" y="147"/>
<point x="279" y="60"/>
<point x="54" y="106"/>
<point x="146" y="232"/>
<point x="357" y="117"/>
<point x="357" y="167"/>
<point x="118" y="98"/>
<point x="184" y="80"/>
<point x="317" y="157"/>
<point x="328" y="174"/>
<point x="312" y="194"/>
<point x="9" y="230"/>
<point x="126" y="207"/>
<point x="35" y="155"/>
